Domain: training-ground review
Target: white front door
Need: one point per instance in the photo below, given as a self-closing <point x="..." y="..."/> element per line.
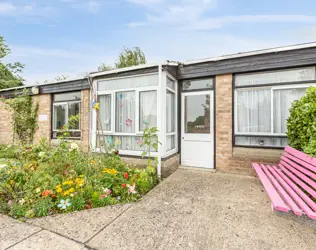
<point x="197" y="144"/>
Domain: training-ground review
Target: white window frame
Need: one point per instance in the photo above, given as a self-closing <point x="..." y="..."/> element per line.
<point x="272" y="89"/>
<point x="135" y="121"/>
<point x="175" y="133"/>
<point x="66" y="114"/>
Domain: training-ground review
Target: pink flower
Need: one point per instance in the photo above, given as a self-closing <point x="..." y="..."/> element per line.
<point x="75" y="193"/>
<point x="102" y="196"/>
<point x="131" y="189"/>
<point x="107" y="191"/>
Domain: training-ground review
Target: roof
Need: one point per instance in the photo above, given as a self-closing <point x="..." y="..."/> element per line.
<point x="252" y="53"/>
<point x="43" y="84"/>
<point x="132" y="68"/>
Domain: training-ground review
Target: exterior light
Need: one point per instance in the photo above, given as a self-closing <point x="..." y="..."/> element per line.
<point x="35" y="90"/>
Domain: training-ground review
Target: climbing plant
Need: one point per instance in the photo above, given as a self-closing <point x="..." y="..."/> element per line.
<point x="24" y="116"/>
<point x="150" y="141"/>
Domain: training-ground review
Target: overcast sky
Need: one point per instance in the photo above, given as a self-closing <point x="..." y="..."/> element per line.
<point x="71" y="37"/>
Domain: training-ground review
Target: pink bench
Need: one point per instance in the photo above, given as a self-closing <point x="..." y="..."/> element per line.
<point x="291" y="185"/>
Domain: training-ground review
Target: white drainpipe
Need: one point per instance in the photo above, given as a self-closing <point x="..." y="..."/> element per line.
<point x="160" y="122"/>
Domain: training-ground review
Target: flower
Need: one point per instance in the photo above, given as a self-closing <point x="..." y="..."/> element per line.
<point x="109" y="140"/>
<point x="41" y="154"/>
<point x="75" y="193"/>
<point x="50" y="212"/>
<point x="93" y="162"/>
<point x="37" y="190"/>
<point x="10" y="202"/>
<point x="3" y="165"/>
<point x="47" y="193"/>
<point x="124" y="185"/>
<point x="64" y="204"/>
<point x="116" y="152"/>
<point x="131" y="189"/>
<point x="22" y="201"/>
<point x="11" y="182"/>
<point x="96" y="106"/>
<point x="107" y="191"/>
<point x="73" y="146"/>
<point x="110" y="171"/>
<point x="125" y="175"/>
<point x="103" y="196"/>
<point x="128" y="122"/>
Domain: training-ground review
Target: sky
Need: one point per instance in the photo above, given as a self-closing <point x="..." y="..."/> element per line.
<point x="73" y="37"/>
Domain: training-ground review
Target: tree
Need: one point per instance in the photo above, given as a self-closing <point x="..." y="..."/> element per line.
<point x="128" y="57"/>
<point x="9" y="73"/>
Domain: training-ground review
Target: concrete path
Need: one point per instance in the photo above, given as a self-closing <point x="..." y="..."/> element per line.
<point x="189" y="210"/>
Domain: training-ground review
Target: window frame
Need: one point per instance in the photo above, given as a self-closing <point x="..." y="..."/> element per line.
<point x="170" y="134"/>
<point x="58" y="103"/>
<point x="137" y="91"/>
<point x="272" y="87"/>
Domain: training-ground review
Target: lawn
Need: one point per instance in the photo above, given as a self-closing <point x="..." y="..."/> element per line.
<point x="40" y="180"/>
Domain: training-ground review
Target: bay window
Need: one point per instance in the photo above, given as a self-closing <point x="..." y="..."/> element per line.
<point x="128" y="106"/>
<point x="262" y="103"/>
<point x="66" y="105"/>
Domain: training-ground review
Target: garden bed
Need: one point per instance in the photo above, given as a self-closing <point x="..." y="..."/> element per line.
<point x="42" y="180"/>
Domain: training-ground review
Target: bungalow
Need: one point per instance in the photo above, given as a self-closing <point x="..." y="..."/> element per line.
<point x="217" y="113"/>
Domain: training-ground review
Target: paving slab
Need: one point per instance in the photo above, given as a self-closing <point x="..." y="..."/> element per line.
<point x="200" y="210"/>
<point x="82" y="225"/>
<point x="13" y="231"/>
<point x="48" y="241"/>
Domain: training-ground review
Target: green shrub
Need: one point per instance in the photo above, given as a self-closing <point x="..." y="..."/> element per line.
<point x="301" y="124"/>
<point x="43" y="207"/>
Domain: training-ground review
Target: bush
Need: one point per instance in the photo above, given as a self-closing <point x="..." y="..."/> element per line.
<point x="301" y="124"/>
<point x="43" y="180"/>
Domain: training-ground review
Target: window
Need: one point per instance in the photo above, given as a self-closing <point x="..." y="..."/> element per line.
<point x="125" y="112"/>
<point x="147" y="110"/>
<point x="198" y="84"/>
<point x="66" y="105"/>
<point x="170" y="112"/>
<point x="105" y="113"/>
<point x="127" y="107"/>
<point x="261" y="112"/>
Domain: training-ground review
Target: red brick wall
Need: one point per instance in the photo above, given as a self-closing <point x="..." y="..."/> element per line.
<point x="229" y="159"/>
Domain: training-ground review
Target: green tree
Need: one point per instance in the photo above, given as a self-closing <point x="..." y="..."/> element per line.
<point x="9" y="73"/>
<point x="128" y="57"/>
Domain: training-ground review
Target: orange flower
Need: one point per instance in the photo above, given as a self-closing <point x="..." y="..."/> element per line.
<point x="47" y="193"/>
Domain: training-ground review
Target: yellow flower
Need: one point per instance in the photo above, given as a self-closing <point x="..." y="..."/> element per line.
<point x="59" y="190"/>
<point x="93" y="162"/>
<point x="11" y="182"/>
<point x="71" y="190"/>
<point x="96" y="106"/>
<point x="110" y="171"/>
<point x="58" y="186"/>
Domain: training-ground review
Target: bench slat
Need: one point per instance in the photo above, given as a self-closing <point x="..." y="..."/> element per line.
<point x="298" y="181"/>
<point x="298" y="173"/>
<point x="301" y="162"/>
<point x="277" y="184"/>
<point x="301" y="155"/>
<point x="298" y="167"/>
<point x="299" y="201"/>
<point x="275" y="198"/>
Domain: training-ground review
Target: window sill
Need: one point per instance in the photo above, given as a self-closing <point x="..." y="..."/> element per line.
<point x="257" y="153"/>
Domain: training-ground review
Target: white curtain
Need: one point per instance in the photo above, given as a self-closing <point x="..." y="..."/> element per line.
<point x="105" y="112"/>
<point x="170" y="112"/>
<point x="125" y="112"/>
<point x="282" y="102"/>
<point x="254" y="110"/>
<point x="129" y="82"/>
<point x="147" y="109"/>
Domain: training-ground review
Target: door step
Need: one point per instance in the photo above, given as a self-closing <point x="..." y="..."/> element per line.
<point x="198" y="169"/>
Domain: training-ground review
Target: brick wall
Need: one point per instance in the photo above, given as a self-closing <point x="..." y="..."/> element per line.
<point x="5" y="125"/>
<point x="45" y="124"/>
<point x="85" y="119"/>
<point x="229" y="159"/>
